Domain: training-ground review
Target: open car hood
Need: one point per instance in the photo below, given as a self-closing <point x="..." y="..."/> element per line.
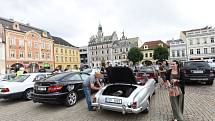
<point x="121" y="75"/>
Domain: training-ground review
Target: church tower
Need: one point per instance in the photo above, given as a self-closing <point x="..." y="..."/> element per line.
<point x="100" y="33"/>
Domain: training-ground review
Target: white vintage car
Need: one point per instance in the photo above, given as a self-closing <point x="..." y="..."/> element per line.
<point x="124" y="94"/>
<point x="21" y="86"/>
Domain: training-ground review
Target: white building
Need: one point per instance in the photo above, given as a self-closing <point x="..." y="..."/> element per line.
<point x="105" y="50"/>
<point x="84" y="55"/>
<point x="200" y="43"/>
<point x="177" y="50"/>
<point x="2" y="51"/>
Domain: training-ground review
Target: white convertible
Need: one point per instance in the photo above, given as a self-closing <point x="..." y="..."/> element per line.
<point x="124" y="94"/>
<point x="21" y="86"/>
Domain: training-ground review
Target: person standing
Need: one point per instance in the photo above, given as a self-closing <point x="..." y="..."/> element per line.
<point x="176" y="78"/>
<point x="88" y="84"/>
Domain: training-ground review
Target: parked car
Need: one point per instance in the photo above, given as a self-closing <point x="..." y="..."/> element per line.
<point x="62" y="88"/>
<point x="6" y="77"/>
<point x="150" y="72"/>
<point x="21" y="86"/>
<point x="124" y="94"/>
<point x="198" y="71"/>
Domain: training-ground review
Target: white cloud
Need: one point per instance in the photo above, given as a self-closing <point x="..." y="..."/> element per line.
<point x="77" y="20"/>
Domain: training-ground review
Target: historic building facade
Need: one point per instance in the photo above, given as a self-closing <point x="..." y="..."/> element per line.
<point x="84" y="55"/>
<point x="26" y="46"/>
<point x="66" y="55"/>
<point x="200" y="43"/>
<point x="105" y="50"/>
<point x="148" y="49"/>
<point x="178" y="50"/>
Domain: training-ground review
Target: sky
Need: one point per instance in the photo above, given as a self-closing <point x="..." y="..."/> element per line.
<point x="77" y="20"/>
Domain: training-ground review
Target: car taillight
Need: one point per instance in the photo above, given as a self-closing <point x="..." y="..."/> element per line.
<point x="55" y="88"/>
<point x="4" y="89"/>
<point x="134" y="105"/>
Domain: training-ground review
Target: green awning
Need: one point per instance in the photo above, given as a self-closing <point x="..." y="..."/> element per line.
<point x="46" y="65"/>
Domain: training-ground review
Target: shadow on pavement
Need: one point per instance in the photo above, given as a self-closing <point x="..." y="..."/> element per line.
<point x="10" y="101"/>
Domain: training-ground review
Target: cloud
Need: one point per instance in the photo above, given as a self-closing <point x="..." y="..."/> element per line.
<point x="77" y="20"/>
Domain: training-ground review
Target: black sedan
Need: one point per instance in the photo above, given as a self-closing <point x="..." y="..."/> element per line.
<point x="62" y="88"/>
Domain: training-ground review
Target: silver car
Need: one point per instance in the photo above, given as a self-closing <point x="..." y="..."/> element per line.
<point x="125" y="94"/>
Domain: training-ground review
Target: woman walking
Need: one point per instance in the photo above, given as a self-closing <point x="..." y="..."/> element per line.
<point x="176" y="78"/>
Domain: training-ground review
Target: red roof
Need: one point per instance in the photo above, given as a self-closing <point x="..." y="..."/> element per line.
<point x="153" y="44"/>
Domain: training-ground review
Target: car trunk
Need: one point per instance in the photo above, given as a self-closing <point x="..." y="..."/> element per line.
<point x="42" y="87"/>
<point x="123" y="80"/>
<point x="119" y="90"/>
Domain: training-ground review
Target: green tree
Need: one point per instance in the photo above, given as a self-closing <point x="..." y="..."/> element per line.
<point x="160" y="53"/>
<point x="135" y="55"/>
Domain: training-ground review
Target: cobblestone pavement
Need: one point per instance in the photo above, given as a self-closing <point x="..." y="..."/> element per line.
<point x="199" y="106"/>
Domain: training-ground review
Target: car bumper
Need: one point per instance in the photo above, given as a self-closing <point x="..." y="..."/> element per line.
<point x="200" y="79"/>
<point x="11" y="95"/>
<point x="48" y="98"/>
<point x="122" y="109"/>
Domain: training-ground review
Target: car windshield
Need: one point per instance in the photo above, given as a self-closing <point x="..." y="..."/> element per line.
<point x="56" y="77"/>
<point x="146" y="69"/>
<point x="196" y="64"/>
<point x="20" y="78"/>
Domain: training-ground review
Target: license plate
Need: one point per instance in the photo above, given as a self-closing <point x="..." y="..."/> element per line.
<point x="113" y="100"/>
<point x="197" y="71"/>
<point x="41" y="88"/>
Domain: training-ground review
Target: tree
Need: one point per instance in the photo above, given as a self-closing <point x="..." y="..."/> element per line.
<point x="160" y="53"/>
<point x="135" y="55"/>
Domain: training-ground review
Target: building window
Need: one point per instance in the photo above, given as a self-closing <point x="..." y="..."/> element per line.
<point x="126" y="49"/>
<point x="115" y="51"/>
<point x="115" y="57"/>
<point x="35" y="45"/>
<point x="61" y="58"/>
<point x="29" y="54"/>
<point x="48" y="56"/>
<point x="119" y="57"/>
<point x="191" y="51"/>
<point x="198" y="51"/>
<point x="12" y="54"/>
<point x="21" y="43"/>
<point x="70" y="52"/>
<point x="48" y="47"/>
<point x="102" y="46"/>
<point x="61" y="50"/>
<point x="56" y="50"/>
<point x="37" y="55"/>
<point x="102" y="52"/>
<point x="120" y="50"/>
<point x="191" y="42"/>
<point x="178" y="53"/>
<point x="70" y="59"/>
<point x="205" y="40"/>
<point x="183" y="53"/>
<point x="107" y="58"/>
<point x="212" y="39"/>
<point x="96" y="52"/>
<point x="145" y="46"/>
<point x="13" y="41"/>
<point x="150" y="54"/>
<point x="30" y="44"/>
<point x="43" y="45"/>
<point x="92" y="53"/>
<point x="205" y="50"/>
<point x="146" y="55"/>
<point x="66" y="51"/>
<point x="124" y="57"/>
<point x="213" y="50"/>
<point x="43" y="55"/>
<point x="57" y="58"/>
<point x="173" y="53"/>
<point x="65" y="59"/>
<point x="21" y="54"/>
<point x="198" y="41"/>
<point x="107" y="51"/>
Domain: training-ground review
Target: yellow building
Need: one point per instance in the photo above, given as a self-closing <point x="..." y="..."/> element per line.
<point x="66" y="55"/>
<point x="148" y="49"/>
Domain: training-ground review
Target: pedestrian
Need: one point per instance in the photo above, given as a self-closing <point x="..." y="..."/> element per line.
<point x="20" y="72"/>
<point x="88" y="85"/>
<point x="175" y="78"/>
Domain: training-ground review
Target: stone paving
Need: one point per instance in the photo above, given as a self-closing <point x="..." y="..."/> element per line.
<point x="199" y="106"/>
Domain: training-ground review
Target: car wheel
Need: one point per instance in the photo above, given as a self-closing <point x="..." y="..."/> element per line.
<point x="147" y="107"/>
<point x="210" y="82"/>
<point x="28" y="94"/>
<point x="71" y="99"/>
